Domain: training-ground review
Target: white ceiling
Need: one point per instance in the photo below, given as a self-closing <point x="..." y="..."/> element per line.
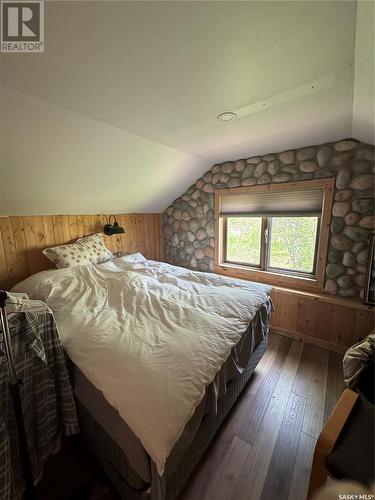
<point x="162" y="71"/>
<point x="364" y="74"/>
<point x="59" y="162"/>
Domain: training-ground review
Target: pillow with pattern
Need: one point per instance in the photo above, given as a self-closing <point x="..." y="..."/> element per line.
<point x="88" y="250"/>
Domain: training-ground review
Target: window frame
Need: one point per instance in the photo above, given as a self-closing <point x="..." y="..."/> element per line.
<point x="263" y="272"/>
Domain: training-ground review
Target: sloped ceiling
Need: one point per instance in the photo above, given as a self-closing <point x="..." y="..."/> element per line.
<point x="119" y="113"/>
<point x="364" y="74"/>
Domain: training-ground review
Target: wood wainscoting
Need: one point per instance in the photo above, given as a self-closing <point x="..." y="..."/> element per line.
<point x="22" y="239"/>
<point x="323" y="320"/>
<point x="326" y="321"/>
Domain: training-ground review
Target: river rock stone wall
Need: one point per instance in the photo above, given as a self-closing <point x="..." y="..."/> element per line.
<point x="189" y="220"/>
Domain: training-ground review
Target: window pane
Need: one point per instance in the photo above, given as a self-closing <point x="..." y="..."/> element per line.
<point x="243" y="239"/>
<point x="292" y="245"/>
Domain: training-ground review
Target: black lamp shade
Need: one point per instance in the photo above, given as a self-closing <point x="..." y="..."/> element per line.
<point x="110" y="229"/>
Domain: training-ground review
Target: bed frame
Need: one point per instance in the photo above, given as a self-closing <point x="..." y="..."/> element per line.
<point x="126" y="480"/>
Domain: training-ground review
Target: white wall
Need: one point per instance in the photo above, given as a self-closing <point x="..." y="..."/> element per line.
<point x="122" y="118"/>
<point x="364" y="73"/>
<point x="54" y="161"/>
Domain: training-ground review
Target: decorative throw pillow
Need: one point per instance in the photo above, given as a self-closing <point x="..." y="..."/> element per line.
<point x="87" y="250"/>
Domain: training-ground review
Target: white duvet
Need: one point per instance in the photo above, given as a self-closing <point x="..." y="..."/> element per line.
<point x="149" y="335"/>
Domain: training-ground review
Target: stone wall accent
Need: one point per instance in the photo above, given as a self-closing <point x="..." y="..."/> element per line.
<point x="189" y="220"/>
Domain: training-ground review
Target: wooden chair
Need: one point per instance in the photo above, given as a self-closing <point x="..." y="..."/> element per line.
<point x="328" y="438"/>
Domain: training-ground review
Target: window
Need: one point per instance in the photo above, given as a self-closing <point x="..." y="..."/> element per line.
<point x="276" y="231"/>
<point x="244" y="240"/>
<point x="293" y="243"/>
<point x="290" y="243"/>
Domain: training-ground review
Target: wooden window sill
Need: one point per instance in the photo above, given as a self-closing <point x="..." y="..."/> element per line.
<point x="298" y="288"/>
<point x="269" y="277"/>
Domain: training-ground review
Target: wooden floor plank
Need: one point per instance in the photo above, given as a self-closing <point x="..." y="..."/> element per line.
<point x="265" y="364"/>
<point x="234" y="421"/>
<point x="255" y="470"/>
<point x="305" y="370"/>
<point x="280" y="470"/>
<point x="228" y="472"/>
<point x="302" y="468"/>
<point x="314" y="415"/>
<point x="203" y="475"/>
<point x="251" y="424"/>
<point x="265" y="446"/>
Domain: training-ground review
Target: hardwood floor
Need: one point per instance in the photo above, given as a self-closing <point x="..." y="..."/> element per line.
<point x="264" y="448"/>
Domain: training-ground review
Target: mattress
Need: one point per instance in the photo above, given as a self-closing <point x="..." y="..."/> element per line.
<point x="138" y="472"/>
<point x="165" y="330"/>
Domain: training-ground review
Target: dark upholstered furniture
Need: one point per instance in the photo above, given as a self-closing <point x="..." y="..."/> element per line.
<point x="353" y="455"/>
<point x="345" y="448"/>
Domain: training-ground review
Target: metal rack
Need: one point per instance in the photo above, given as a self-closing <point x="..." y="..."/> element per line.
<point x="15" y="391"/>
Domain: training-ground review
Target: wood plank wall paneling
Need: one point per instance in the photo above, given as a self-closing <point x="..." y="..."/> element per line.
<point x="325" y="321"/>
<point x="22" y="239"/>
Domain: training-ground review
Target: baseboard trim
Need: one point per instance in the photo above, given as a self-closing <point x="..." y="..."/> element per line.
<point x="330" y="346"/>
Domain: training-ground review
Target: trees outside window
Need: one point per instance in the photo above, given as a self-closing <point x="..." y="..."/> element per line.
<point x="290" y="244"/>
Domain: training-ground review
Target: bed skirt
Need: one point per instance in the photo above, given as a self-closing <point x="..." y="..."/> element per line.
<point x="128" y="483"/>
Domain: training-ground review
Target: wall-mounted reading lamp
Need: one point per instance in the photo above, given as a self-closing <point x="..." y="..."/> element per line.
<point x="110" y="229"/>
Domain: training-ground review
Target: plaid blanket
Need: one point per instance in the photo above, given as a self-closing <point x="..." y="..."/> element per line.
<point x="46" y="394"/>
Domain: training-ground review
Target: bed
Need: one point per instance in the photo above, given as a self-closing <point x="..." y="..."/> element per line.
<point x="159" y="354"/>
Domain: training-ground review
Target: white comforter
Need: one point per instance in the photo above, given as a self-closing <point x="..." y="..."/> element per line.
<point x="149" y="335"/>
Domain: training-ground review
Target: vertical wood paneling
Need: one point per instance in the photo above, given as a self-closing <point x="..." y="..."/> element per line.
<point x="325" y="321"/>
<point x="364" y="322"/>
<point x="10" y="251"/>
<point x="3" y="264"/>
<point x="343" y="325"/>
<point x="39" y="231"/>
<point x="48" y="230"/>
<point x="21" y="246"/>
<point x="73" y="228"/>
<point x="149" y="232"/>
<point x="33" y="253"/>
<point x="306" y="316"/>
<point x="57" y="229"/>
<point x="22" y="239"/>
<point x="65" y="227"/>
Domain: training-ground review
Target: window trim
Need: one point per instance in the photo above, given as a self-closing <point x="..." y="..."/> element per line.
<point x="268" y="275"/>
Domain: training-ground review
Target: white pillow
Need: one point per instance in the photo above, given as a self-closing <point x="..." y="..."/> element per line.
<point x="134" y="257"/>
<point x="87" y="250"/>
